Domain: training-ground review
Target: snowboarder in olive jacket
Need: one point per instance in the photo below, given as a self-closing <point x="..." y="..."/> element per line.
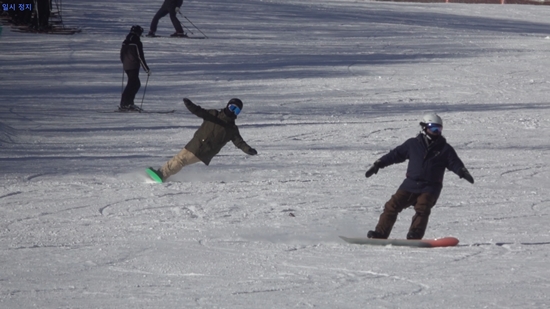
<point x="218" y="128"/>
<point x="429" y="156"/>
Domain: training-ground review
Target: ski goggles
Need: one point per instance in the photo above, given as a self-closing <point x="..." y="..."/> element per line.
<point x="434" y="128"/>
<point x="234" y="109"/>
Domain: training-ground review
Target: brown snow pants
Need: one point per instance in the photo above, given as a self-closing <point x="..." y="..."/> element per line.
<point x="422" y="202"/>
<point x="174" y="165"/>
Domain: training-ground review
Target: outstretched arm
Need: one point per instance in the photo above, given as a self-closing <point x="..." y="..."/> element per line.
<point x="373" y="169"/>
<point x="456" y="165"/>
<point x="463" y="173"/>
<point x="239" y="142"/>
<point x="196" y="110"/>
<point x="397" y="155"/>
<point x="205" y="114"/>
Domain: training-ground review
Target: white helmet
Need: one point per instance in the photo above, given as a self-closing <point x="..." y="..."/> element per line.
<point x="431" y="118"/>
<point x="432" y="126"/>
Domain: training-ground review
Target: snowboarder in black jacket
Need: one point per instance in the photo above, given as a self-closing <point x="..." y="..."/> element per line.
<point x="132" y="57"/>
<point x="168" y="7"/>
<point x="429" y="155"/>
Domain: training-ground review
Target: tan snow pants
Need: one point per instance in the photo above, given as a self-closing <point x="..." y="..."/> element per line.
<point x="174" y="165"/>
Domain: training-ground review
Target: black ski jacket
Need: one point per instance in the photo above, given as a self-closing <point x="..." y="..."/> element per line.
<point x="427" y="164"/>
<point x="131" y="54"/>
<point x="172" y="4"/>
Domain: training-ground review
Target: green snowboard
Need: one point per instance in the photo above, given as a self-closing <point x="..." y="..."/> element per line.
<point x="154" y="175"/>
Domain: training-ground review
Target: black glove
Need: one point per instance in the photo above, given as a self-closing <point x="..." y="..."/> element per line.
<point x="463" y="173"/>
<point x="373" y="169"/>
<point x="252" y="152"/>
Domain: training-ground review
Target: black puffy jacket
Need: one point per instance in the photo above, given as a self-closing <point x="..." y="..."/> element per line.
<point x="172" y="4"/>
<point x="427" y="164"/>
<point x="131" y="53"/>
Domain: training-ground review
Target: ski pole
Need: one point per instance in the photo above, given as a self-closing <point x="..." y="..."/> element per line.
<point x="195" y="26"/>
<point x="188" y="30"/>
<point x="191" y="23"/>
<point x="144" y="89"/>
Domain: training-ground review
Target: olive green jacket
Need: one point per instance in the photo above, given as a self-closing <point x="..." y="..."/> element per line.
<point x="215" y="131"/>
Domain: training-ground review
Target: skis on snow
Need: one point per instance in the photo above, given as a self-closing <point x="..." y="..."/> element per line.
<point x="141" y="112"/>
<point x="175" y="37"/>
<point x="146" y="112"/>
<point x="51" y="30"/>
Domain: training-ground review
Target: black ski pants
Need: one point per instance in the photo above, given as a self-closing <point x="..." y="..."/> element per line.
<point x="422" y="202"/>
<point x="132" y="88"/>
<point x="43" y="18"/>
<point x="163" y="12"/>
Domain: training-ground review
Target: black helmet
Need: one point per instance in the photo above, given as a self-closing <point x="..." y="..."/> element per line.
<point x="137" y="30"/>
<point x="237" y="102"/>
<point x="234" y="107"/>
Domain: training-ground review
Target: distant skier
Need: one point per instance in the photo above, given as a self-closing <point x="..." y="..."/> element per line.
<point x="218" y="128"/>
<point x="43" y="8"/>
<point x="168" y="7"/>
<point x="132" y="57"/>
<point x="429" y="155"/>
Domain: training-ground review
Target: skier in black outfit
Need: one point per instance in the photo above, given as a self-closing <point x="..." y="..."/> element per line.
<point x="43" y="16"/>
<point x="429" y="156"/>
<point x="168" y="7"/>
<point x="132" y="57"/>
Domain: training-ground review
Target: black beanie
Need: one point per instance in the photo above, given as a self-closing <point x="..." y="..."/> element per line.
<point x="237" y="102"/>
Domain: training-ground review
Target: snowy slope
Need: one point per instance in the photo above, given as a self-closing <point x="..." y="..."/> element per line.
<point x="328" y="87"/>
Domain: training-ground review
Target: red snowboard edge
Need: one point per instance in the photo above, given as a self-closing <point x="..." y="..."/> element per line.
<point x="442" y="242"/>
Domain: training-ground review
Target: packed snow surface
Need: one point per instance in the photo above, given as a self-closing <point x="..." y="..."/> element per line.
<point x="328" y="87"/>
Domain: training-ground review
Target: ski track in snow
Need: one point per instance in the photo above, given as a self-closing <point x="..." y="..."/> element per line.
<point x="328" y="87"/>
